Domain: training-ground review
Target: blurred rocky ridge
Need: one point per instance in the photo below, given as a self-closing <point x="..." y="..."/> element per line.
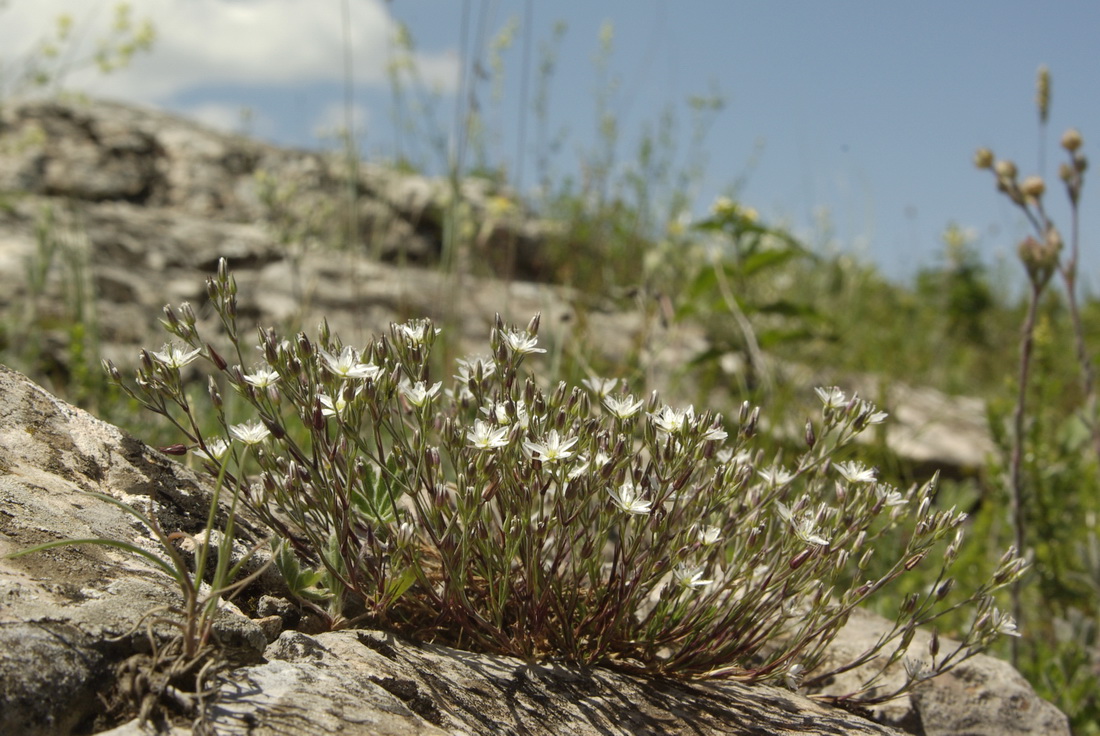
<point x="132" y="208"/>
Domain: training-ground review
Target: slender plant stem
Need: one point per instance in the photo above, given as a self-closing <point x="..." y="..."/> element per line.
<point x="1027" y="341"/>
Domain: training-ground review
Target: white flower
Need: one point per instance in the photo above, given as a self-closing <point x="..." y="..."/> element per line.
<point x="216" y="448"/>
<point x="1004" y="624"/>
<point x="869" y="414"/>
<point x="416" y="331"/>
<point x="709" y="535"/>
<point x="622" y="407"/>
<point x="916" y="669"/>
<point x="671" y="421"/>
<point x="485" y="437"/>
<point x="806" y="530"/>
<point x="418" y="394"/>
<point x="262" y="378"/>
<point x="250" y="433"/>
<point x="499" y="413"/>
<point x="690" y="577"/>
<point x="890" y="496"/>
<point x="627" y="498"/>
<point x="332" y="407"/>
<point x="793" y="676"/>
<point x="776" y="476"/>
<point x="348" y="364"/>
<point x="468" y="368"/>
<point x="552" y="449"/>
<point x="715" y="433"/>
<point x="521" y="342"/>
<point x="173" y="356"/>
<point x="601" y="386"/>
<point x="854" y="472"/>
<point x="832" y="397"/>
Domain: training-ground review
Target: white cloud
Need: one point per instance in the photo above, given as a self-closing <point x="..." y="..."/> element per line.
<point x="224" y="42"/>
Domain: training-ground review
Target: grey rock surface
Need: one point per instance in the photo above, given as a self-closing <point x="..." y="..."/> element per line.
<point x="983" y="696"/>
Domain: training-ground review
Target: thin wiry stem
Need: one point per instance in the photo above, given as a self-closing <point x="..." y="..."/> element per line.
<point x="1027" y="340"/>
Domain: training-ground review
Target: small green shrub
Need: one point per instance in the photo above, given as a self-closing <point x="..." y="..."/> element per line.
<point x="561" y="522"/>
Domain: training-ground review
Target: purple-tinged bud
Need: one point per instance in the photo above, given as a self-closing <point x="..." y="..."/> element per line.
<point x="214" y="356"/>
<point x="798" y="560"/>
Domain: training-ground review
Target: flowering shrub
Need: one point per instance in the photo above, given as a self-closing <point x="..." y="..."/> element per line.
<point x="579" y="523"/>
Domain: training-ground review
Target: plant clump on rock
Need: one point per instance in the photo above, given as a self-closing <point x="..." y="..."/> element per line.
<point x="581" y="524"/>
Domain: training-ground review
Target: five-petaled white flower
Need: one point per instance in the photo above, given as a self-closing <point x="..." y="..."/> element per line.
<point x="416" y="331"/>
<point x="485" y="436"/>
<point x="689" y="576"/>
<point x="709" y="535"/>
<point x="869" y="415"/>
<point x="349" y="365"/>
<point x="216" y="448"/>
<point x="628" y="499"/>
<point x="855" y="472"/>
<point x="622" y="407"/>
<point x="552" y="448"/>
<point x="890" y="496"/>
<point x="672" y="421"/>
<point x="419" y="393"/>
<point x="173" y="356"/>
<point x="804" y="527"/>
<point x="600" y="386"/>
<point x="806" y="530"/>
<point x="832" y="397"/>
<point x="715" y="433"/>
<point x="468" y="368"/>
<point x="331" y="407"/>
<point x="521" y="342"/>
<point x="250" y="433"/>
<point x="1004" y="624"/>
<point x="262" y="378"/>
<point x="775" y="475"/>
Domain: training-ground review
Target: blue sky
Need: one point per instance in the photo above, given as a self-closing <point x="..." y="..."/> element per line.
<point x="864" y="114"/>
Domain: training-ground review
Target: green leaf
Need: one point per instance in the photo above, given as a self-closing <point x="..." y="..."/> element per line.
<point x="301" y="582"/>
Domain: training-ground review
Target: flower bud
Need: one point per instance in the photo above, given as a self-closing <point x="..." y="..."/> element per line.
<point x="1033" y="187"/>
<point x="1071" y="140"/>
<point x="1005" y="169"/>
<point x="1042" y="93"/>
<point x="215" y="394"/>
<point x="170" y="316"/>
<point x="983" y="158"/>
<point x="214" y="356"/>
<point x="1053" y="244"/>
